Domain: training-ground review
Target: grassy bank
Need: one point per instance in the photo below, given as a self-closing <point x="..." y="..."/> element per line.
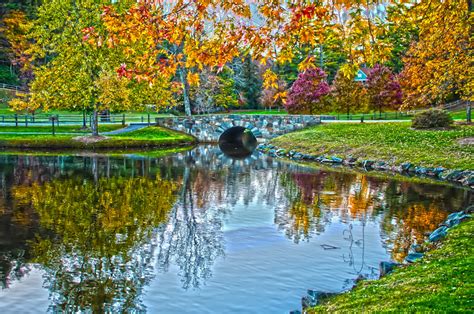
<point x="118" y="152"/>
<point x="59" y="129"/>
<point x="147" y="137"/>
<point x="394" y="143"/>
<point x="442" y="282"/>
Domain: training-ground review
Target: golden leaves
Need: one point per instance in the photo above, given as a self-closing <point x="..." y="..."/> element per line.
<point x="270" y="79"/>
<point x="193" y="79"/>
<point x="440" y="62"/>
<point x="306" y="64"/>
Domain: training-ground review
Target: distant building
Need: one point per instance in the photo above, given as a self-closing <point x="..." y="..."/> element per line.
<point x="361" y="75"/>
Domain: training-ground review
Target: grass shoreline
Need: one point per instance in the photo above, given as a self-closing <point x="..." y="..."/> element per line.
<point x="150" y="137"/>
<point x="394" y="143"/>
<point x="419" y="287"/>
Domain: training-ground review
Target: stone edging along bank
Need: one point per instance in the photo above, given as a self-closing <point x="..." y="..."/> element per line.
<point x="463" y="177"/>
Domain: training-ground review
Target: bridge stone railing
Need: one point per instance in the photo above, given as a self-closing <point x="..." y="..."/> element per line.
<point x="209" y="128"/>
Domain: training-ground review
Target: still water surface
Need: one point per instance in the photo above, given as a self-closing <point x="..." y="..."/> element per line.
<point x="197" y="231"/>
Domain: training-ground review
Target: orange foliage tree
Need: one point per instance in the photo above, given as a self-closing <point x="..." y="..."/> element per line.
<point x="177" y="38"/>
<point x="440" y="63"/>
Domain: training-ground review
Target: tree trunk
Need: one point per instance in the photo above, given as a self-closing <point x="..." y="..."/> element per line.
<point x="468" y="112"/>
<point x="321" y="57"/>
<point x="184" y="81"/>
<point x="95" y="122"/>
<point x="84" y="119"/>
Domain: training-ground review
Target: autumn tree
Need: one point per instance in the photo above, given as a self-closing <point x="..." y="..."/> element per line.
<point x="438" y="65"/>
<point x="177" y="39"/>
<point x="349" y="95"/>
<point x="14" y="20"/>
<point x="273" y="97"/>
<point x="307" y="32"/>
<point x="383" y="89"/>
<point x="69" y="77"/>
<point x="306" y="95"/>
<point x="16" y="28"/>
<point x="215" y="91"/>
<point x="79" y="70"/>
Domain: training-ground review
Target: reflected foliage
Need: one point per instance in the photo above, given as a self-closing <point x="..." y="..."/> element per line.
<point x="193" y="238"/>
<point x="408" y="211"/>
<point x="93" y="242"/>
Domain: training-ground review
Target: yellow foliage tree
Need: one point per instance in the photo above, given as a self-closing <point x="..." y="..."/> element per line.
<point x="440" y="63"/>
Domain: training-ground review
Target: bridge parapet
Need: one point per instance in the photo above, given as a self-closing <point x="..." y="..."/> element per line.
<point x="208" y="128"/>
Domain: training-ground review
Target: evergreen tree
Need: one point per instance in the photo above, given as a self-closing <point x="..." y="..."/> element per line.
<point x="248" y="81"/>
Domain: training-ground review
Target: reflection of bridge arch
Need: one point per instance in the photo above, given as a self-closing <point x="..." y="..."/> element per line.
<point x="210" y="128"/>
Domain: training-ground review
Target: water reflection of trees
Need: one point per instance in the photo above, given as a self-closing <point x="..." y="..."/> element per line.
<point x="18" y="221"/>
<point x="93" y="240"/>
<point x="407" y="210"/>
<point x="192" y="238"/>
<point x="89" y="242"/>
<point x="212" y="184"/>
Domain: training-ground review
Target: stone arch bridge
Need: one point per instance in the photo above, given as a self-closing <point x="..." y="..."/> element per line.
<point x="210" y="128"/>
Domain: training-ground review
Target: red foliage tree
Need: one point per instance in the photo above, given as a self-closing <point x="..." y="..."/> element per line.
<point x="383" y="89"/>
<point x="306" y="95"/>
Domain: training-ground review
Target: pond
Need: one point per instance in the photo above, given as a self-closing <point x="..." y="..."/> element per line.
<point x="198" y="231"/>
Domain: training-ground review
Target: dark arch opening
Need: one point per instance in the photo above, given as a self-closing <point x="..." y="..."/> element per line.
<point x="238" y="142"/>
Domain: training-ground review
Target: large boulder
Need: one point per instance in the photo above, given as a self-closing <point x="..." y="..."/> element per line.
<point x="413" y="257"/>
<point x="438" y="234"/>
<point x="407" y="167"/>
<point x="387" y="267"/>
<point x="455" y="219"/>
<point x="314" y="297"/>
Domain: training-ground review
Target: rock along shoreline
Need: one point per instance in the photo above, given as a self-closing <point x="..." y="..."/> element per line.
<point x="462" y="177"/>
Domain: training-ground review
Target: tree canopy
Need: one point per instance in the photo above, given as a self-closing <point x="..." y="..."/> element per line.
<point x="103" y="55"/>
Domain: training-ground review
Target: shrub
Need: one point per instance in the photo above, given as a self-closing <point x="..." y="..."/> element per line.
<point x="431" y="119"/>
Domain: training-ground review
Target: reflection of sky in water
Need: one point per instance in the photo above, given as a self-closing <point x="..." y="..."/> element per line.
<point x="250" y="233"/>
<point x="263" y="272"/>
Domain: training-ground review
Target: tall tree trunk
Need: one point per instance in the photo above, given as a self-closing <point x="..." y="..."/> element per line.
<point x="184" y="81"/>
<point x="321" y="57"/>
<point x="84" y="119"/>
<point x="95" y="122"/>
<point x="468" y="112"/>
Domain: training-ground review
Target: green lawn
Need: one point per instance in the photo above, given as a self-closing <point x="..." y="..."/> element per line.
<point x="442" y="282"/>
<point x="259" y="112"/>
<point x="131" y="116"/>
<point x="148" y="137"/>
<point x="152" y="133"/>
<point x="394" y="143"/>
<point x="60" y="129"/>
